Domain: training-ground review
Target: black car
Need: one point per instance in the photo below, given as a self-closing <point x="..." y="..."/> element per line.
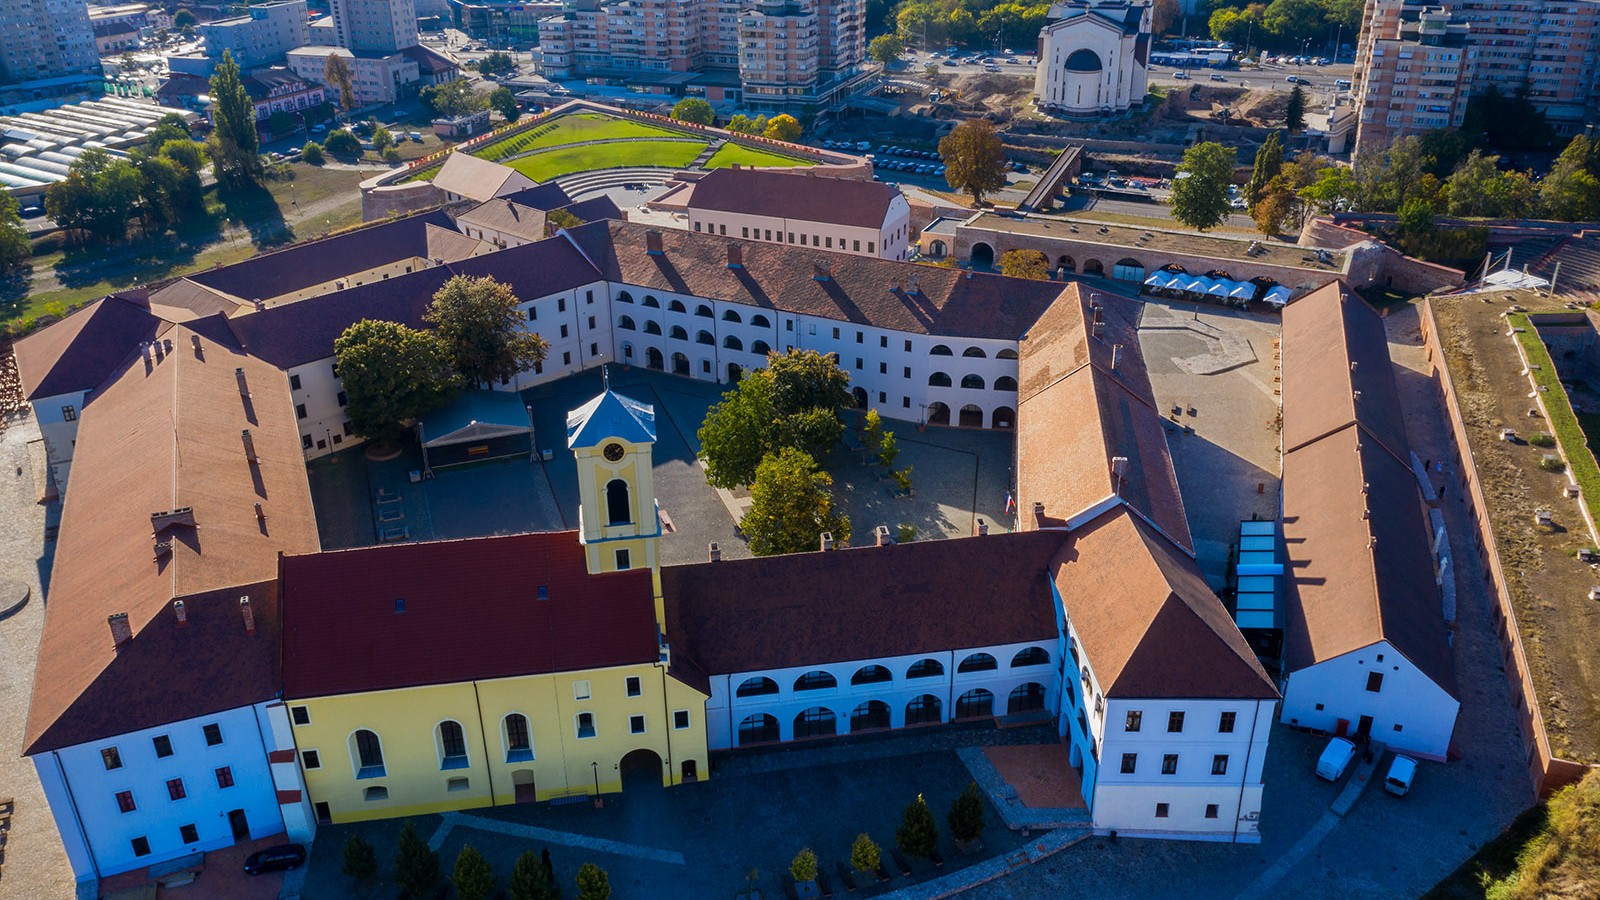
<point x="275" y="859"/>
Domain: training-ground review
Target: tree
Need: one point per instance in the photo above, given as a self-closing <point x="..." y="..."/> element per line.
<point x="453" y="99"/>
<point x="480" y="326"/>
<point x="184" y="19"/>
<point x="167" y="128"/>
<point x="1200" y="192"/>
<point x="98" y="196"/>
<point x="496" y="62"/>
<point x="504" y="102"/>
<point x="472" y="877"/>
<point x="360" y="861"/>
<point x="783" y="127"/>
<point x="742" y="124"/>
<point x="1478" y="189"/>
<point x="694" y="110"/>
<point x="886" y="48"/>
<point x="343" y="143"/>
<point x="14" y="245"/>
<point x="966" y="815"/>
<point x="557" y="219"/>
<point x="162" y="188"/>
<point x="311" y="153"/>
<point x="382" y="138"/>
<point x="1272" y="210"/>
<point x="392" y="374"/>
<point x="1025" y="264"/>
<point x="593" y="883"/>
<point x="804" y="866"/>
<point x="931" y="72"/>
<point x="1416" y="218"/>
<point x="793" y="402"/>
<point x="1570" y="192"/>
<point x="416" y="868"/>
<point x="1334" y="190"/>
<point x="1269" y="161"/>
<point x="236" y="153"/>
<point x="864" y="854"/>
<point x="1237" y="26"/>
<point x="1294" y="115"/>
<point x="973" y="158"/>
<point x="281" y="123"/>
<point x="918" y="834"/>
<point x="530" y="880"/>
<point x="791" y="506"/>
<point x="337" y="75"/>
<point x="888" y="450"/>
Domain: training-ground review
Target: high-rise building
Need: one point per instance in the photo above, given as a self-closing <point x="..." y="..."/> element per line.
<point x="1419" y="64"/>
<point x="375" y="26"/>
<point x="45" y="39"/>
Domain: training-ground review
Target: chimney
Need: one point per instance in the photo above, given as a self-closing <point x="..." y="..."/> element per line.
<point x="160" y="521"/>
<point x="1119" y="466"/>
<point x="881" y="536"/>
<point x="249" y="446"/>
<point x="1116" y="356"/>
<point x="261" y="515"/>
<point x="820" y="270"/>
<point x="983" y="528"/>
<point x="121" y="631"/>
<point x="826" y="540"/>
<point x="260" y="304"/>
<point x="1038" y="509"/>
<point x="248" y="613"/>
<point x="1355" y="395"/>
<point x="160" y="351"/>
<point x="1097" y="328"/>
<point x="180" y="610"/>
<point x="1352" y="365"/>
<point x="735" y="256"/>
<point x="195" y="339"/>
<point x="716" y="552"/>
<point x="916" y="284"/>
<point x="244" y="386"/>
<point x="652" y="243"/>
<point x="144" y="349"/>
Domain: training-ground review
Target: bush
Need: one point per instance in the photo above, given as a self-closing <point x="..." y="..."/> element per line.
<point x="593" y="883"/>
<point x="472" y="877"/>
<point x="360" y="861"/>
<point x="530" y="880"/>
<point x="342" y="143"/>
<point x="966" y="815"/>
<point x="864" y="854"/>
<point x="312" y="153"/>
<point x="416" y="868"/>
<point x="1552" y="464"/>
<point x="1542" y="439"/>
<point x="804" y="866"/>
<point x="905" y="533"/>
<point x="918" y="834"/>
<point x="391" y="154"/>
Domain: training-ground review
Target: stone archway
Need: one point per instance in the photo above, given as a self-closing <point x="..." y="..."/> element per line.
<point x="938" y="414"/>
<point x="971" y="416"/>
<point x="937" y="249"/>
<point x="653" y="359"/>
<point x="641" y="771"/>
<point x="1065" y="263"/>
<point x="860" y="395"/>
<point x="982" y="255"/>
<point x="1093" y="267"/>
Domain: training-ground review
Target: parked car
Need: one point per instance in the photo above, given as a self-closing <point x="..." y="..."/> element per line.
<point x="1335" y="759"/>
<point x="1401" y="772"/>
<point x="275" y="859"/>
<point x="32" y="212"/>
<point x="1181" y="76"/>
<point x="1218" y="76"/>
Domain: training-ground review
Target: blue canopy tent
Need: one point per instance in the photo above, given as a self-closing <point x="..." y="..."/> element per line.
<point x="476" y="426"/>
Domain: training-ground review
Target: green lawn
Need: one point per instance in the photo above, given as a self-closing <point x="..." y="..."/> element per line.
<point x="750" y="156"/>
<point x="550" y="164"/>
<point x="571" y="129"/>
<point x="1569" y="432"/>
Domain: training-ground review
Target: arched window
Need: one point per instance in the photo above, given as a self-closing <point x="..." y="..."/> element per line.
<point x="815" y="681"/>
<point x="626" y="324"/>
<point x="732" y="343"/>
<point x="972" y="382"/>
<point x="1026" y="698"/>
<point x="367" y="752"/>
<point x="1005" y="383"/>
<point x="729" y="315"/>
<point x="760" y="321"/>
<point x="1031" y="656"/>
<point x="519" y="740"/>
<point x="703" y="311"/>
<point x="704" y="337"/>
<point x="679" y="333"/>
<point x="938" y="379"/>
<point x="758" y="729"/>
<point x="940" y="350"/>
<point x="376" y="792"/>
<point x="756" y="687"/>
<point x="452" y="745"/>
<point x="652" y="327"/>
<point x="976" y="703"/>
<point x="818" y="721"/>
<point x="974" y="353"/>
<point x="760" y="348"/>
<point x="1007" y="353"/>
<point x="624" y="297"/>
<point x="676" y="306"/>
<point x="925" y="668"/>
<point x="618" y="510"/>
<point x="871" y="675"/>
<point x="977" y="662"/>
<point x="872" y="715"/>
<point x="651" y="301"/>
<point x="924" y="710"/>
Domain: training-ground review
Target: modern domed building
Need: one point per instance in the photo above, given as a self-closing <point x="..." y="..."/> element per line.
<point x="1094" y="57"/>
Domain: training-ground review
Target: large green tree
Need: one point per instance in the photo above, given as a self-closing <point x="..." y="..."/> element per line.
<point x="791" y="505"/>
<point x="497" y="62"/>
<point x="454" y="98"/>
<point x="1479" y="189"/>
<point x="966" y="814"/>
<point x="170" y="127"/>
<point x="793" y="402"/>
<point x="1294" y="115"/>
<point x="886" y="48"/>
<point x="1031" y="264"/>
<point x="593" y="883"/>
<point x="14" y="246"/>
<point x="974" y="159"/>
<point x="783" y="127"/>
<point x="416" y="868"/>
<point x="504" y="102"/>
<point x="236" y="150"/>
<point x="480" y="326"/>
<point x="918" y="834"/>
<point x="693" y="110"/>
<point x="99" y="196"/>
<point x="530" y="880"/>
<point x="1269" y="162"/>
<point x="337" y="75"/>
<point x="1571" y="192"/>
<point x="392" y="374"/>
<point x="1200" y="192"/>
<point x="359" y="860"/>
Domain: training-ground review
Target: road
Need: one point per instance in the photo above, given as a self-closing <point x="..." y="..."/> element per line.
<point x="1269" y="76"/>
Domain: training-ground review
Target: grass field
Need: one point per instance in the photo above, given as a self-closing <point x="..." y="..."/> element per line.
<point x="1574" y="442"/>
<point x="750" y="156"/>
<point x="571" y="129"/>
<point x="550" y="164"/>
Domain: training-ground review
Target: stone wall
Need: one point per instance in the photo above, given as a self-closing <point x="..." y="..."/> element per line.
<point x="1376" y="264"/>
<point x="398" y="199"/>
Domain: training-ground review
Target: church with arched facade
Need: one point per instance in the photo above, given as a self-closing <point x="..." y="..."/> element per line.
<point x="1094" y="57"/>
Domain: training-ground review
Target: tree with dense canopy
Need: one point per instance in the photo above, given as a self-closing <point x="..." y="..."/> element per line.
<point x="791" y="505"/>
<point x="974" y="159"/>
<point x="472" y="877"/>
<point x="416" y="868"/>
<point x="886" y="48"/>
<point x="452" y="99"/>
<point x="1294" y="115"/>
<point x="343" y="143"/>
<point x="593" y="883"/>
<point x="392" y="374"/>
<point x="337" y="75"/>
<point x="783" y="127"/>
<point x="966" y="815"/>
<point x="497" y="62"/>
<point x="236" y="148"/>
<point x="793" y="402"/>
<point x="504" y="102"/>
<point x="1200" y="191"/>
<point x="530" y="880"/>
<point x="918" y="834"/>
<point x="694" y="110"/>
<point x="1269" y="161"/>
<point x="359" y="861"/>
<point x="1025" y="264"/>
<point x="14" y="245"/>
<point x="480" y="326"/>
<point x="99" y="196"/>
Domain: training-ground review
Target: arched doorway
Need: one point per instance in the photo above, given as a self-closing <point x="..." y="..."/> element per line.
<point x="1003" y="417"/>
<point x="971" y="416"/>
<point x="818" y="721"/>
<point x="652" y="358"/>
<point x="982" y="255"/>
<point x="938" y="414"/>
<point x="680" y="364"/>
<point x="758" y="729"/>
<point x="735" y="372"/>
<point x="872" y="715"/>
<point x="861" y="397"/>
<point x="1093" y="267"/>
<point x="522" y="782"/>
<point x="977" y="703"/>
<point x="1128" y="269"/>
<point x="641" y="771"/>
<point x="1065" y="264"/>
<point x="925" y="710"/>
<point x="937" y="249"/>
<point x="1026" y="698"/>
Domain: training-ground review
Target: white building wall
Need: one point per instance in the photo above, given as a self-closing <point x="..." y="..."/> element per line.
<point x="321" y="418"/>
<point x="99" y="836"/>
<point x="58" y="424"/>
<point x="1409" y="711"/>
<point x="294" y="804"/>
<point x="1120" y="83"/>
<point x="885" y="241"/>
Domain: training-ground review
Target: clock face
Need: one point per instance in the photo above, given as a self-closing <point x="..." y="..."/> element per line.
<point x="613" y="452"/>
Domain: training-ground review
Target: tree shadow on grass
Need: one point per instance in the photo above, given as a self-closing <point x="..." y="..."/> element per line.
<point x="255" y="209"/>
<point x="142" y="260"/>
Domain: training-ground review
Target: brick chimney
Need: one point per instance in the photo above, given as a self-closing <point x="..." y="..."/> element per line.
<point x="735" y="256"/>
<point x="160" y="521"/>
<point x="249" y="446"/>
<point x="826" y="540"/>
<point x="121" y="631"/>
<point x="881" y="536"/>
<point x="983" y="528"/>
<point x="248" y="613"/>
<point x="180" y="610"/>
<point x="244" y="386"/>
<point x="821" y="270"/>
<point x="716" y="552"/>
<point x="195" y="339"/>
<point x="652" y="243"/>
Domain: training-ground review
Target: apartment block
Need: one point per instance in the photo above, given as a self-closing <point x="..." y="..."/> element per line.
<point x="261" y="37"/>
<point x="375" y="26"/>
<point x="42" y="39"/>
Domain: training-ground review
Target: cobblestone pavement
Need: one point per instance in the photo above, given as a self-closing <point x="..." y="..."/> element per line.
<point x="35" y="864"/>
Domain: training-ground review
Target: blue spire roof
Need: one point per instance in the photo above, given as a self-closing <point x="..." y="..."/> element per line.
<point x="611" y="415"/>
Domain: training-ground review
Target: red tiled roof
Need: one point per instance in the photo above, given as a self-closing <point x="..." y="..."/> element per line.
<point x="1336" y="369"/>
<point x="82" y="350"/>
<point x="471" y="612"/>
<point x="801" y="194"/>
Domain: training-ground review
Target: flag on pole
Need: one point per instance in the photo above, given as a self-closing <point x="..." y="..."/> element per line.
<point x="1011" y="503"/>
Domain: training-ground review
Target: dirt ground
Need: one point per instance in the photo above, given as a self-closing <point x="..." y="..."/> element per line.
<point x="1560" y="626"/>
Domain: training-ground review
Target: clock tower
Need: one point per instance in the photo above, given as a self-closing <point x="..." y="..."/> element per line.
<point x="618" y="523"/>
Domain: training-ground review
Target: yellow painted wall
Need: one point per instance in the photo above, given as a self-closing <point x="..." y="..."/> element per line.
<point x="406" y="721"/>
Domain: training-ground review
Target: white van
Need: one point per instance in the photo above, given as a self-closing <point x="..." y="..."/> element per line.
<point x="1335" y="759"/>
<point x="1401" y="773"/>
<point x="1342" y="84"/>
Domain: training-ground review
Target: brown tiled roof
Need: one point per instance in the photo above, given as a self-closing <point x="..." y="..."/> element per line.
<point x="505" y="216"/>
<point x="858" y="289"/>
<point x="545" y="196"/>
<point x="1336" y="369"/>
<point x="429" y="60"/>
<point x="811" y="608"/>
<point x="396" y="616"/>
<point x="82" y="350"/>
<point x="1149" y="625"/>
<point x="167" y="435"/>
<point x="446" y="244"/>
<point x="789" y="193"/>
<point x="1076" y="413"/>
<point x="183" y="300"/>
<point x="474" y="178"/>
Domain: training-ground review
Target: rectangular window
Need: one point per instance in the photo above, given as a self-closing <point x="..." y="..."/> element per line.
<point x="299" y="410"/>
<point x="300" y="715"/>
<point x="563" y="331"/>
<point x="588" y="297"/>
<point x="634" y="686"/>
<point x="1161" y="810"/>
<point x="1211" y="810"/>
<point x="769" y="234"/>
<point x="225" y="777"/>
<point x="591" y="322"/>
<point x="335" y="368"/>
<point x="1174" y="722"/>
<point x="722" y="229"/>
<point x="188" y="834"/>
<point x="870" y="247"/>
<point x="623" y="561"/>
<point x="111" y="758"/>
<point x="566" y="358"/>
<point x="294" y="382"/>
<point x="213" y="733"/>
<point x="791" y="237"/>
<point x="906" y="373"/>
<point x="746" y="231"/>
<point x="1225" y="724"/>
<point x="561" y="304"/>
<point x="860" y="337"/>
<point x="141" y="846"/>
<point x="1219" y="764"/>
<point x="858" y="364"/>
<point x="586" y="725"/>
<point x="533" y="314"/>
<point x="594" y="349"/>
<point x="905" y="402"/>
<point x="175" y="789"/>
<point x="908" y="346"/>
<point x="883" y="368"/>
<point x="311" y="759"/>
<point x="163" y="745"/>
<point x="636" y="724"/>
<point x="1130" y="762"/>
<point x="836" y="334"/>
<point x="1133" y="720"/>
<point x="697" y="227"/>
<point x="788" y="324"/>
<point x="1374" y="681"/>
<point x="856" y="246"/>
<point x="680" y="719"/>
<point x="1169" y="764"/>
<point x="883" y="397"/>
<point x="883" y="341"/>
<point x="580" y="690"/>
<point x="829" y="243"/>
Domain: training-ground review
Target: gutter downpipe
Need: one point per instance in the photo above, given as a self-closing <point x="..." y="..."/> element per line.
<point x="483" y="736"/>
<point x="1240" y="805"/>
